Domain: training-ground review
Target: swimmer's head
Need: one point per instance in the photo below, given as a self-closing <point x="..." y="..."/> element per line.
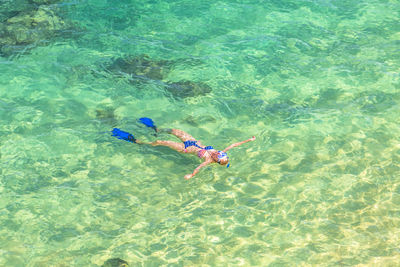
<point x="223" y="158"/>
<point x="223" y="161"/>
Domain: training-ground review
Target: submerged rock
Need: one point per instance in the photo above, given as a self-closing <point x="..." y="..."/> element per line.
<point x="10" y="9"/>
<point x="35" y="26"/>
<point x="106" y="115"/>
<point x="183" y="89"/>
<point x="199" y="120"/>
<point x="142" y="66"/>
<point x="41" y="2"/>
<point x="115" y="262"/>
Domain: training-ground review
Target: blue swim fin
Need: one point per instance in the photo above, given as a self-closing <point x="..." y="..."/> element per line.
<point x="148" y="122"/>
<point x="123" y="135"/>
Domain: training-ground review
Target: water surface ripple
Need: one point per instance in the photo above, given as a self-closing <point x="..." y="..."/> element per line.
<point x="316" y="81"/>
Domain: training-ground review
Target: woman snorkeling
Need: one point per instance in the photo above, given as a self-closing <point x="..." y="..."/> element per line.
<point x="189" y="145"/>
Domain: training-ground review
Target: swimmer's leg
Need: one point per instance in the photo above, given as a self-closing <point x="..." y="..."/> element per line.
<point x="180" y="147"/>
<point x="178" y="133"/>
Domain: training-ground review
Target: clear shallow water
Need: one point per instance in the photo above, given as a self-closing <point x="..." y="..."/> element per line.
<point x="316" y="81"/>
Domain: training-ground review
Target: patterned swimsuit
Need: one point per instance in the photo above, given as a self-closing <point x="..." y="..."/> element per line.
<point x="203" y="150"/>
<point x="201" y="153"/>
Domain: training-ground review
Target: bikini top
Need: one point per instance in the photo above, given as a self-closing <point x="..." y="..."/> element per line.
<point x="203" y="150"/>
<point x="189" y="143"/>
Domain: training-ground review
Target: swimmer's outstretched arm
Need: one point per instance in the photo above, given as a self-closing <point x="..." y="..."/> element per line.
<point x="205" y="163"/>
<point x="238" y="144"/>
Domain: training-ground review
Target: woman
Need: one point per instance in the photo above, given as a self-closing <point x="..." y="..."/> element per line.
<point x="189" y="145"/>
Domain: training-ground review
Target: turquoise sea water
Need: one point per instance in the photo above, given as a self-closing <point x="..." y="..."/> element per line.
<point x="317" y="82"/>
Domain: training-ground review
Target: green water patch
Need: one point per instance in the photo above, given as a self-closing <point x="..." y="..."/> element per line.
<point x="316" y="83"/>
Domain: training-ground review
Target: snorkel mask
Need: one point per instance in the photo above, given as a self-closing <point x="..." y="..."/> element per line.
<point x="222" y="155"/>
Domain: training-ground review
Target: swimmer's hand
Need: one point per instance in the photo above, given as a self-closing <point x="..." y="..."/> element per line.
<point x="188" y="176"/>
<point x="253" y="138"/>
<point x="205" y="163"/>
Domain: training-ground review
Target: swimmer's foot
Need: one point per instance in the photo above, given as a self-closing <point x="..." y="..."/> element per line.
<point x="123" y="135"/>
<point x="149" y="123"/>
